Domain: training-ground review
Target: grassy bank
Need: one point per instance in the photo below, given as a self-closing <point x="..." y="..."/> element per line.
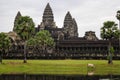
<point x="58" y="67"/>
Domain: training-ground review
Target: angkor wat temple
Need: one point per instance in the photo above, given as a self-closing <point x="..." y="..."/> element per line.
<point x="68" y="44"/>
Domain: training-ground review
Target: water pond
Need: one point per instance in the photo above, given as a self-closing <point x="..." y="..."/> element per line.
<point x="57" y="77"/>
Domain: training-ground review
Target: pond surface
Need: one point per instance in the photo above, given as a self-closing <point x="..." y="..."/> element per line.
<point x="57" y="77"/>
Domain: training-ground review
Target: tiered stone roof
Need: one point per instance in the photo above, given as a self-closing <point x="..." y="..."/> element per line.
<point x="48" y="14"/>
<point x="68" y="19"/>
<point x="70" y="26"/>
<point x="16" y="18"/>
<point x="47" y="19"/>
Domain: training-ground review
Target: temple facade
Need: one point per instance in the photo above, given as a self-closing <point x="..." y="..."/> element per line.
<point x="68" y="43"/>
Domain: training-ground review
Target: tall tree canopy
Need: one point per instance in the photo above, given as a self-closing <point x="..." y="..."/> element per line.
<point x="4" y="44"/>
<point x="109" y="31"/>
<point x="118" y="15"/>
<point x="25" y="27"/>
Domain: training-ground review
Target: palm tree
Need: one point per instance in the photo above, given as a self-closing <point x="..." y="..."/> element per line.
<point x="109" y="31"/>
<point x="25" y="29"/>
<point x="118" y="17"/>
<point x="4" y="44"/>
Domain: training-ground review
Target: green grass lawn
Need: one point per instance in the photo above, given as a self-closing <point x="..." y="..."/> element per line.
<point x="69" y="67"/>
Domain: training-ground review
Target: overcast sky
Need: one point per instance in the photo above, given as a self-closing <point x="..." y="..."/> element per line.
<point x="89" y="14"/>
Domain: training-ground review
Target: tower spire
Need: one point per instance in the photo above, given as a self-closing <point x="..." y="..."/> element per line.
<point x="70" y="26"/>
<point x="68" y="19"/>
<point x="18" y="15"/>
<point x="68" y="15"/>
<point x="48" y="6"/>
<point x="48" y="18"/>
<point x="16" y="18"/>
<point x="75" y="27"/>
<point x="48" y="14"/>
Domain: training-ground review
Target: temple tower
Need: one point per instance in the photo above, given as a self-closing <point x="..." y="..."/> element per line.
<point x="48" y="15"/>
<point x="75" y="28"/>
<point x="70" y="26"/>
<point x="67" y="20"/>
<point x="47" y="19"/>
<point x="16" y="18"/>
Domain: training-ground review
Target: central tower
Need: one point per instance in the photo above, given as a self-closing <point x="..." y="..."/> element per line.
<point x="47" y="19"/>
<point x="48" y="14"/>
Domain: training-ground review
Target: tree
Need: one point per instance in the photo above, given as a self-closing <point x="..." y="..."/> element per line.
<point x="32" y="42"/>
<point x="25" y="29"/>
<point x="42" y="40"/>
<point x="109" y="31"/>
<point x="4" y="44"/>
<point x="118" y="17"/>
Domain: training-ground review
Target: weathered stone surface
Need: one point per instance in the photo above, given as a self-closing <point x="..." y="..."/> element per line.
<point x="47" y="19"/>
<point x="75" y="28"/>
<point x="60" y="35"/>
<point x="90" y="35"/>
<point x="68" y="44"/>
<point x="16" y="18"/>
<point x="14" y="37"/>
<point x="67" y="20"/>
<point x="70" y="26"/>
<point x="69" y="29"/>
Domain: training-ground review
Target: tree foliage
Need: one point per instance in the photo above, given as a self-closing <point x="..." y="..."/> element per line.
<point x="109" y="30"/>
<point x="4" y="44"/>
<point x="25" y="27"/>
<point x="118" y="15"/>
<point x="42" y="39"/>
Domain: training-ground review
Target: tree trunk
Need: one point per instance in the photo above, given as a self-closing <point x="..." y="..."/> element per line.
<point x="119" y="38"/>
<point x="25" y="59"/>
<point x="0" y="57"/>
<point x="109" y="53"/>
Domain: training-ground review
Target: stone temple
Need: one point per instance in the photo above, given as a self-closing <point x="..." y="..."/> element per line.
<point x="68" y="43"/>
<point x="69" y="29"/>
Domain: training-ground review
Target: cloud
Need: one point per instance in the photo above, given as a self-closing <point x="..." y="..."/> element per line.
<point x="89" y="14"/>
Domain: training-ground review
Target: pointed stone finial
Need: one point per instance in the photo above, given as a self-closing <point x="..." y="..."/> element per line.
<point x="48" y="11"/>
<point x="68" y="19"/>
<point x="48" y="6"/>
<point x="18" y="15"/>
<point x="68" y="16"/>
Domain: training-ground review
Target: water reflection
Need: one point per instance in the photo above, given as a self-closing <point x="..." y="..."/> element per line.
<point x="57" y="77"/>
<point x="90" y="73"/>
